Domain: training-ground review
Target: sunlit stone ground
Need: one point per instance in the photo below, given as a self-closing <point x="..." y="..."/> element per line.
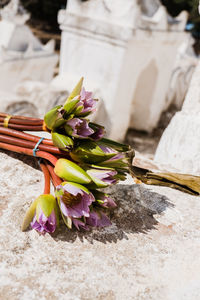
<point x="151" y="251"/>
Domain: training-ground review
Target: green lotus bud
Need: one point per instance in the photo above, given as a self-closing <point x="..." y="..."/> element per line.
<point x="54" y="118"/>
<point x="62" y="141"/>
<point x="70" y="171"/>
<point x="76" y="92"/>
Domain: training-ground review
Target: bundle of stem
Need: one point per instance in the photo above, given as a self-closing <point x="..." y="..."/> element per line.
<point x="22" y="123"/>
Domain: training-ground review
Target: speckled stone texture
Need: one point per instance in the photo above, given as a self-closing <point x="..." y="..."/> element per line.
<point x="151" y="251"/>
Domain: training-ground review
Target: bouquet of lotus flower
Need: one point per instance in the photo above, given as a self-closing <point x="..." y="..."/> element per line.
<point x="77" y="159"/>
<point x="79" y="162"/>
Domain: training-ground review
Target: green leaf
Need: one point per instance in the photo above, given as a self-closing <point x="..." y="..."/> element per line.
<point x="67" y="221"/>
<point x="78" y="110"/>
<point x="29" y="215"/>
<point x="101" y="168"/>
<point x="119" y="164"/>
<point x="78" y="186"/>
<point x="62" y="141"/>
<point x="115" y="145"/>
<point x="57" y="214"/>
<point x="76" y="91"/>
<point x="98" y="182"/>
<point x="93" y="173"/>
<point x="70" y="105"/>
<point x="68" y="129"/>
<point x="54" y="118"/>
<point x="46" y="203"/>
<point x="89" y="152"/>
<point x="70" y="171"/>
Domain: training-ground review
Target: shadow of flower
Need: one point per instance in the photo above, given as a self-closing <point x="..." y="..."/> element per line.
<point x="136" y="206"/>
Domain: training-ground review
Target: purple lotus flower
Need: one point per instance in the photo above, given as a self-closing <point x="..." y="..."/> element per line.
<point x="79" y="224"/>
<point x="98" y="219"/>
<point x="102" y="177"/>
<point x="44" y="224"/>
<point x="117" y="157"/>
<point x="87" y="104"/>
<point x="119" y="162"/>
<point x="108" y="202"/>
<point x="104" y="200"/>
<point x="78" y="128"/>
<point x="98" y="131"/>
<point x="95" y="219"/>
<point x="107" y="149"/>
<point x="74" y="199"/>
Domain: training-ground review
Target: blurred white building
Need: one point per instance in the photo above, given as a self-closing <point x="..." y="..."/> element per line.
<point x="127" y="52"/>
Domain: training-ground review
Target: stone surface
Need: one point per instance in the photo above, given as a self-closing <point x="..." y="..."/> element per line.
<point x="117" y="46"/>
<point x="151" y="251"/>
<point x="179" y="146"/>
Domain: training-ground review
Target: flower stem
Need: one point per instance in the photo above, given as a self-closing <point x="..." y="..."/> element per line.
<point x="46" y="178"/>
<point x="29" y="152"/>
<point x="20" y="117"/>
<point x="24" y="136"/>
<point x="28" y="144"/>
<point x="24" y="127"/>
<point x="55" y="179"/>
<point x="25" y="121"/>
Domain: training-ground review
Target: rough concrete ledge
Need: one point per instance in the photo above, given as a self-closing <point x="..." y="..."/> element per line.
<point x="151" y="251"/>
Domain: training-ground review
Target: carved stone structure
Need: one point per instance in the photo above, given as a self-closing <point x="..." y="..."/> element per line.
<point x="126" y="56"/>
<point x="186" y="62"/>
<point x="180" y="144"/>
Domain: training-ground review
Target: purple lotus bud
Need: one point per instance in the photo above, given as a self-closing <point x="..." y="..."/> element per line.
<point x="79" y="224"/>
<point x="78" y="128"/>
<point x="98" y="219"/>
<point x="107" y="149"/>
<point x="99" y="131"/>
<point x="117" y="157"/>
<point x="102" y="177"/>
<point x="42" y="214"/>
<point x="44" y="224"/>
<point x="104" y="200"/>
<point x="119" y="162"/>
<point x="86" y="105"/>
<point x="108" y="202"/>
<point x="74" y="199"/>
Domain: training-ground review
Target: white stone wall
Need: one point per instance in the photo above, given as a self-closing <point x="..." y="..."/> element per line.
<point x="180" y="144"/>
<point x="152" y="61"/>
<point x="127" y="59"/>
